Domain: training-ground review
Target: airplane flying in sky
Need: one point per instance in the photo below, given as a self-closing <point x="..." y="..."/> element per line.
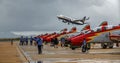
<point x="73" y="21"/>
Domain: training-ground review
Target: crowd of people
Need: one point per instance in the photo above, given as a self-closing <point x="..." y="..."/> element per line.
<point x="24" y="40"/>
<point x="39" y="42"/>
<point x="55" y="42"/>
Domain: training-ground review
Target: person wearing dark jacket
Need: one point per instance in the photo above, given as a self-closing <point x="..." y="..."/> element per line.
<point x="21" y="40"/>
<point x="62" y="41"/>
<point x="26" y="40"/>
<point x="31" y="40"/>
<point x="56" y="42"/>
<point x="52" y="42"/>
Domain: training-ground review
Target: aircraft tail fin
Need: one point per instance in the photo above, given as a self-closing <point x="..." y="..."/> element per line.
<point x="64" y="30"/>
<point x="84" y="19"/>
<point x="74" y="29"/>
<point x="105" y="23"/>
<point x="87" y="27"/>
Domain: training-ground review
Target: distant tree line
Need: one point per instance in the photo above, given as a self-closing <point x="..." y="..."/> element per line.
<point x="9" y="39"/>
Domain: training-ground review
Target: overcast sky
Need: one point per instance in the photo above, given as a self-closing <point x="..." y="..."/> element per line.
<point x="40" y="15"/>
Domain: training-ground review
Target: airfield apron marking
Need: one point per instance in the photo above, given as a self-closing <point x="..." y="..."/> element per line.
<point x="31" y="53"/>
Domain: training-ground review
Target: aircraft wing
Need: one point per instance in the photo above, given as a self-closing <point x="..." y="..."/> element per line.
<point x="78" y="23"/>
<point x="77" y="20"/>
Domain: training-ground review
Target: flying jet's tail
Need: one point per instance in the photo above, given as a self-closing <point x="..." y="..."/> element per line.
<point x="84" y="19"/>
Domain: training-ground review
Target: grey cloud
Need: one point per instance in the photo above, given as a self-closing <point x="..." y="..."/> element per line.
<point x="37" y="15"/>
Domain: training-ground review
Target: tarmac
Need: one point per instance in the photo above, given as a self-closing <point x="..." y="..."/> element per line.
<point x="10" y="53"/>
<point x="29" y="54"/>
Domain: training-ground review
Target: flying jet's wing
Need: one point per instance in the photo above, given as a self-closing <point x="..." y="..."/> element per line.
<point x="64" y="19"/>
<point x="77" y="23"/>
<point x="81" y="20"/>
<point x="77" y="20"/>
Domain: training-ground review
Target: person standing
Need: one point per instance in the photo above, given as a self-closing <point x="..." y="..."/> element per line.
<point x="39" y="44"/>
<point x="11" y="41"/>
<point x="62" y="41"/>
<point x="84" y="45"/>
<point x="52" y="44"/>
<point x="31" y="40"/>
<point x="26" y="40"/>
<point x="56" y="42"/>
<point x="21" y="40"/>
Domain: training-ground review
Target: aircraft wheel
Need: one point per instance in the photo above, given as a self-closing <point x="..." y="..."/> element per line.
<point x="88" y="46"/>
<point x="66" y="45"/>
<point x="84" y="48"/>
<point x="73" y="48"/>
<point x="117" y="44"/>
<point x="110" y="45"/>
<point x="103" y="45"/>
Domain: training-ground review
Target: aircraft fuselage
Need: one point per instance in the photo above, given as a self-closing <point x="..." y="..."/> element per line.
<point x="97" y="35"/>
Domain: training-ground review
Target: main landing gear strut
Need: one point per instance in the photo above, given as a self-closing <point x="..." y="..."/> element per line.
<point x="86" y="47"/>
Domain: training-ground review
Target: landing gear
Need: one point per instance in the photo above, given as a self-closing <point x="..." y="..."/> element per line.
<point x="72" y="47"/>
<point x="104" y="45"/>
<point x="66" y="45"/>
<point x="84" y="48"/>
<point x="110" y="45"/>
<point x="117" y="44"/>
<point x="88" y="46"/>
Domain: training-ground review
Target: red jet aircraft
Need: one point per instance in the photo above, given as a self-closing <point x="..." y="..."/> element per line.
<point x="100" y="34"/>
